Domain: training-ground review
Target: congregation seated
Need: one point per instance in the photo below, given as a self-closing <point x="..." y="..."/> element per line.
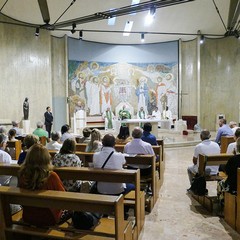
<point x="17" y="129"/>
<point x="55" y="143"/>
<point x="3" y="131"/>
<point x="86" y="135"/>
<point x="65" y="133"/>
<point x="39" y="131"/>
<point x="95" y="143"/>
<point x="147" y="136"/>
<point x="232" y="146"/>
<point x="110" y="159"/>
<point x="67" y="158"/>
<point x="233" y="125"/>
<point x="28" y="141"/>
<point x="224" y="130"/>
<point x="206" y="147"/>
<point x="36" y="174"/>
<point x="123" y="136"/>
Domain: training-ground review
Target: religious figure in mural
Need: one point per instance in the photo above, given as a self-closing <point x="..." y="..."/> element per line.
<point x="108" y="116"/>
<point x="106" y="94"/>
<point x="142" y="93"/>
<point x="161" y="93"/>
<point x="25" y="109"/>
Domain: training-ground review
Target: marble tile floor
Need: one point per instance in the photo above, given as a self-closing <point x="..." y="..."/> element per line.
<point x="176" y="215"/>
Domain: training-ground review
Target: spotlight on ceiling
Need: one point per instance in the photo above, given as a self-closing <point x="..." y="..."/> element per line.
<point x="80" y="35"/>
<point x="237" y="34"/>
<point x="73" y="28"/>
<point x="37" y="32"/>
<point x="142" y="37"/>
<point x="151" y="15"/>
<point x="202" y="39"/>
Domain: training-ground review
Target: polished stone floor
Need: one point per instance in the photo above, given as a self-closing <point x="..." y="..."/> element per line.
<point x="176" y="215"/>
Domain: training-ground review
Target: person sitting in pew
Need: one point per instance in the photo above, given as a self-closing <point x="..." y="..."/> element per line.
<point x="11" y="137"/>
<point x="147" y="136"/>
<point x="55" y="143"/>
<point x="36" y="174"/>
<point x="65" y="133"/>
<point x="67" y="158"/>
<point x="124" y="136"/>
<point x="15" y="125"/>
<point x="232" y="146"/>
<point x="110" y="159"/>
<point x="28" y="141"/>
<point x="206" y="147"/>
<point x="95" y="143"/>
<point x="224" y="130"/>
<point x="86" y="135"/>
<point x="39" y="131"/>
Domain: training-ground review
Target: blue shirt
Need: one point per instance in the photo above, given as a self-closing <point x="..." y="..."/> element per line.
<point x="225" y="130"/>
<point x="150" y="138"/>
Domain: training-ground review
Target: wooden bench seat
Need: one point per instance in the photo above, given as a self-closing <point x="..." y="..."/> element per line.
<point x="90" y="174"/>
<point x="62" y="200"/>
<point x="225" y="141"/>
<point x="17" y="145"/>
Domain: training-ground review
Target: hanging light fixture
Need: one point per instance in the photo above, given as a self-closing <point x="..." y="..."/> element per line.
<point x="80" y="35"/>
<point x="73" y="28"/>
<point x="37" y="32"/>
<point x="142" y="37"/>
<point x="202" y="39"/>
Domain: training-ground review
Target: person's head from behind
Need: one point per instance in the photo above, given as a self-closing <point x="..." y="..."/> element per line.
<point x="87" y="132"/>
<point x="123" y="132"/>
<point x="205" y="134"/>
<point x="3" y="141"/>
<point x="222" y="121"/>
<point x="14" y="124"/>
<point x="232" y="124"/>
<point x="108" y="140"/>
<point x="39" y="124"/>
<point x="29" y="140"/>
<point x="237" y="134"/>
<point x="65" y="128"/>
<point x="95" y="135"/>
<point x="137" y="132"/>
<point x="36" y="167"/>
<point x="141" y="109"/>
<point x="11" y="134"/>
<point x="3" y="130"/>
<point x="147" y="127"/>
<point x="68" y="147"/>
<point x="55" y="136"/>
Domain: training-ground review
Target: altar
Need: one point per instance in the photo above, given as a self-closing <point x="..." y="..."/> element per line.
<point x="132" y="123"/>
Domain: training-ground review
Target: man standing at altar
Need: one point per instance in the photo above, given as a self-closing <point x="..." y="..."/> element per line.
<point x="108" y="116"/>
<point x="124" y="114"/>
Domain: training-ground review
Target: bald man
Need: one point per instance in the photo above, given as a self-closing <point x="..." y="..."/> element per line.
<point x="206" y="147"/>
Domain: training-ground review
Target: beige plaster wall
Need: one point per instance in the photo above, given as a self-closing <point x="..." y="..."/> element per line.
<point x="25" y="63"/>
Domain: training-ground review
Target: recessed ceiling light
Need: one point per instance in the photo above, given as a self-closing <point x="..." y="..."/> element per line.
<point x="128" y="28"/>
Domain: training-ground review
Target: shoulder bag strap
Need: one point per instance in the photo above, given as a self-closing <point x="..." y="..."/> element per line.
<point x="107" y="159"/>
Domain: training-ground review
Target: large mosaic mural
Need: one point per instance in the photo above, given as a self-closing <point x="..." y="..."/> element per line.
<point x="94" y="86"/>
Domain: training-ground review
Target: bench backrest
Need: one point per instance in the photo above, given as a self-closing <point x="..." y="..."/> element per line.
<point x="59" y="200"/>
<point x="212" y="160"/>
<point x="225" y="141"/>
<point x="18" y="147"/>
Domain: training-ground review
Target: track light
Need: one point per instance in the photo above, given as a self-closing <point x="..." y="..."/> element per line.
<point x="151" y="15"/>
<point x="37" y="32"/>
<point x="73" y="28"/>
<point x="80" y="35"/>
<point x="142" y="37"/>
<point x="202" y="39"/>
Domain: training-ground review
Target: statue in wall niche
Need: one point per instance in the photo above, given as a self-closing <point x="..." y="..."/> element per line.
<point x="25" y="109"/>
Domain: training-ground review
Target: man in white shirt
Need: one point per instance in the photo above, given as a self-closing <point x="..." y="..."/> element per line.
<point x="232" y="146"/>
<point x="206" y="147"/>
<point x="156" y="114"/>
<point x="55" y="143"/>
<point x="4" y="157"/>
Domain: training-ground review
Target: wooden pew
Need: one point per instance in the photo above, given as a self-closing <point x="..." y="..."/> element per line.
<point x="225" y="141"/>
<point x="210" y="160"/>
<point x="17" y="145"/>
<point x="238" y="203"/>
<point x="61" y="200"/>
<point x="106" y="175"/>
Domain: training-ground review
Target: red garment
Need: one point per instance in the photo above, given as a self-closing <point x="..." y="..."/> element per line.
<point x="44" y="216"/>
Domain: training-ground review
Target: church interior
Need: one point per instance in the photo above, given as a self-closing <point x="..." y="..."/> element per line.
<point x="105" y="64"/>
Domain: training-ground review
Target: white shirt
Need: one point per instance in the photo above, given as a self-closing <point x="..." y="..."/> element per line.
<point x="231" y="147"/>
<point x="207" y="147"/>
<point x="116" y="161"/>
<point x="138" y="146"/>
<point x="156" y="114"/>
<point x="5" y="157"/>
<point x="53" y="145"/>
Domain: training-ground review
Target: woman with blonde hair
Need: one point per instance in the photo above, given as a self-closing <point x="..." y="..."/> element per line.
<point x="36" y="174"/>
<point x="95" y="143"/>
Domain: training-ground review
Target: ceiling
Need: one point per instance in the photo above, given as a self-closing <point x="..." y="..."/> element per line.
<point x="182" y="20"/>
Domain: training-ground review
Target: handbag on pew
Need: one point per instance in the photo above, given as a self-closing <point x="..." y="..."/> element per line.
<point x="94" y="186"/>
